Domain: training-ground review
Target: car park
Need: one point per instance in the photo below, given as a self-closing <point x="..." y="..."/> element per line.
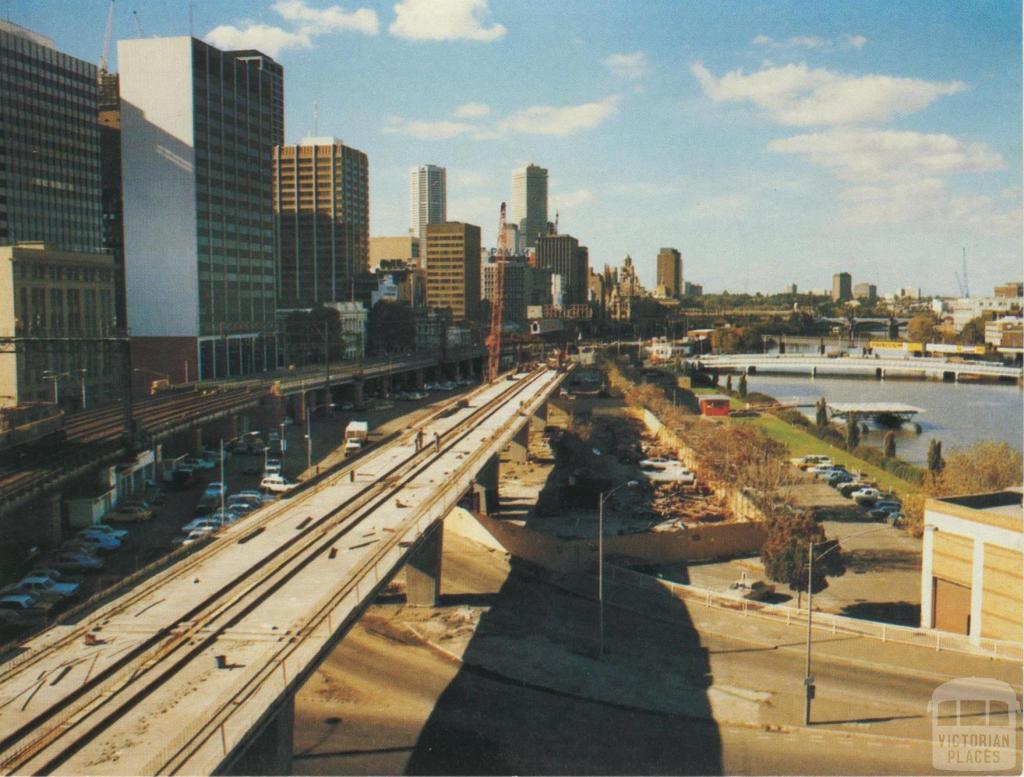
<point x="272" y="467"/>
<point x="252" y="494"/>
<point x="128" y="513"/>
<point x="215" y="489"/>
<point x="276" y="484"/>
<point x="838" y="477"/>
<point x="46" y="587"/>
<point x="74" y="560"/>
<point x="52" y="573"/>
<point x="23" y="607"/>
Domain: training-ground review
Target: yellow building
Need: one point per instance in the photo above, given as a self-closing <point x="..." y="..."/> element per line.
<point x="971" y="565"/>
<point x="453" y="269"/>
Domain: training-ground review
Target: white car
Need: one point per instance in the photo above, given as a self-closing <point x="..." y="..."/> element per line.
<point x="276" y="484"/>
<point x="193" y="536"/>
<point x="866" y="496"/>
<point x="37" y="585"/>
<point x="206" y="522"/>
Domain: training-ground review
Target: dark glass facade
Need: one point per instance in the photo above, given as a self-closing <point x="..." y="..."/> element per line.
<point x="49" y="145"/>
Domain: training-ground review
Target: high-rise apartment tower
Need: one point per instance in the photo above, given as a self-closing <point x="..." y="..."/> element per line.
<point x="670" y="272"/>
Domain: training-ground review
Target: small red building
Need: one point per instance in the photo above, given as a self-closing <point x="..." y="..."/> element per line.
<point x="714" y="404"/>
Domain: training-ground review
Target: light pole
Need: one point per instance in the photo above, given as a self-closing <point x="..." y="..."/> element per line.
<point x="602" y="498"/>
<point x="808" y="677"/>
<point x="81" y="377"/>
<point x="55" y="377"/>
<point x="223" y="483"/>
<point x="309" y="434"/>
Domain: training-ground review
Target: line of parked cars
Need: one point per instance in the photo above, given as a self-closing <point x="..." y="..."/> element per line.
<point x="862" y="490"/>
<point x="207" y="520"/>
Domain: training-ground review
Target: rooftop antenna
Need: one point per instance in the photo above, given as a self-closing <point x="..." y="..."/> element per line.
<point x="961" y="280"/>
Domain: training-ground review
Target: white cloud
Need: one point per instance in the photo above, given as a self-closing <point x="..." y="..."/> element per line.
<point x="813" y="42"/>
<point x="562" y="120"/>
<point x="308" y="24"/>
<point x="472" y="110"/>
<point x="262" y="37"/>
<point x="632" y="66"/>
<point x="796" y="95"/>
<point x="722" y="206"/>
<point x="444" y="20"/>
<point x="571" y="199"/>
<point x="886" y="155"/>
<point x="331" y="19"/>
<point x="428" y="130"/>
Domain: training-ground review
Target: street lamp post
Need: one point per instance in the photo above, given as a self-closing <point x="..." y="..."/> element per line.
<point x="602" y="498"/>
<point x="81" y="378"/>
<point x="309" y="434"/>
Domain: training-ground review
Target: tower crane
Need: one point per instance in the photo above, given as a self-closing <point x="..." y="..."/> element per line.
<point x="961" y="281"/>
<point x="105" y="55"/>
<point x="497" y="301"/>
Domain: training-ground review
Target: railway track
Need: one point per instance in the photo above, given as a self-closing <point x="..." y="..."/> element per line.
<point x="43" y="741"/>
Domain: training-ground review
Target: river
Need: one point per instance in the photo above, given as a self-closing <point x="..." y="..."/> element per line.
<point x="958" y="414"/>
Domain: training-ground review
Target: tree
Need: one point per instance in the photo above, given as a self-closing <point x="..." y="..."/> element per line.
<point x="852" y="431"/>
<point x="725" y="340"/>
<point x="742" y="388"/>
<point x="922" y="328"/>
<point x="391" y="327"/>
<point x="889" y="445"/>
<point x="310" y="335"/>
<point x="784" y="552"/>
<point x="973" y="332"/>
<point x="728" y="384"/>
<point x="935" y="456"/>
<point x="982" y="467"/>
<point x="821" y="414"/>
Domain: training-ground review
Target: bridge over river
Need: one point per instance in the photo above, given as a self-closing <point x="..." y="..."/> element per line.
<point x="804" y="364"/>
<point x="191" y="668"/>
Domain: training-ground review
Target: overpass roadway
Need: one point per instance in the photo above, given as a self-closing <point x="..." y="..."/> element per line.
<point x="855" y="365"/>
<point x="185" y="671"/>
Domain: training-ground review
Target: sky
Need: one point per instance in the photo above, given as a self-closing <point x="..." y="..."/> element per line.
<point x="770" y="142"/>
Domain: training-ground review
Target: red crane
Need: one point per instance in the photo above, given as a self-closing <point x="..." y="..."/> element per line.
<point x="497" y="302"/>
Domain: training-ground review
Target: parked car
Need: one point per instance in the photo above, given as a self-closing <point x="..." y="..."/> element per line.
<point x="193" y="536"/>
<point x="242" y="505"/>
<point x="260" y="498"/>
<point x="144" y="504"/>
<point x="866" y="496"/>
<point x="46" y="587"/>
<point x="100" y="542"/>
<point x="214" y="489"/>
<point x="129" y="513"/>
<point x="822" y="471"/>
<point x="847" y="489"/>
<point x="75" y="560"/>
<point x="208" y="522"/>
<point x="53" y="573"/>
<point x="199" y="463"/>
<point x="813" y="460"/>
<point x="272" y="467"/>
<point x="105" y="528"/>
<point x="838" y="477"/>
<point x="276" y="484"/>
<point x="22" y="608"/>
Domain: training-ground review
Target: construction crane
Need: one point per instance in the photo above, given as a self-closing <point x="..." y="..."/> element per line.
<point x="961" y="280"/>
<point x="105" y="55"/>
<point x="497" y="301"/>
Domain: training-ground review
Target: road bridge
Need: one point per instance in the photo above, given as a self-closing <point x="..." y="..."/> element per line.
<point x="804" y="364"/>
<point x="197" y="665"/>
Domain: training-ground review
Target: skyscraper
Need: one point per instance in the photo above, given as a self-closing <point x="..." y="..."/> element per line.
<point x="530" y="203"/>
<point x="563" y="255"/>
<point x="49" y="145"/>
<point x="321" y="221"/>
<point x="841" y="287"/>
<point x="198" y="127"/>
<point x="453" y="269"/>
<point x="428" y="198"/>
<point x="670" y="272"/>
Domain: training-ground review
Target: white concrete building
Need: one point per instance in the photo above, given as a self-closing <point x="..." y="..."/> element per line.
<point x="198" y="126"/>
<point x="966" y="309"/>
<point x="428" y="198"/>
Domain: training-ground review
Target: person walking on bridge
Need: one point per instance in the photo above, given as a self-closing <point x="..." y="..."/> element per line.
<point x="437" y="442"/>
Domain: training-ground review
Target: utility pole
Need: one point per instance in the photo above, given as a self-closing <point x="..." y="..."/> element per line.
<point x="808" y="677"/>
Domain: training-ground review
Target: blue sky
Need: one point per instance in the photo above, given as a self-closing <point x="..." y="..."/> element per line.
<point x="771" y="142"/>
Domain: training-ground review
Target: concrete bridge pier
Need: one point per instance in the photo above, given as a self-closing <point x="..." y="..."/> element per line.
<point x="423" y="569"/>
<point x="357" y="392"/>
<point x="539" y="419"/>
<point x="485" y="488"/>
<point x="270" y="753"/>
<point x="519" y="447"/>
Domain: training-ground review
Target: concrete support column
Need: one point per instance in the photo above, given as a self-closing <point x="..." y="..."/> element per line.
<point x="519" y="448"/>
<point x="423" y="569"/>
<point x="539" y="419"/>
<point x="357" y="392"/>
<point x="197" y="441"/>
<point x="419" y="379"/>
<point x="485" y="487"/>
<point x="300" y="407"/>
<point x="270" y="753"/>
<point x="49" y="532"/>
<point x="927" y="606"/>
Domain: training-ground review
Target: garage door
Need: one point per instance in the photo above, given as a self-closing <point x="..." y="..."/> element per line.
<point x="952" y="606"/>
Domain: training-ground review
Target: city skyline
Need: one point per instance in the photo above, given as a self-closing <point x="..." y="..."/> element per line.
<point x="770" y="144"/>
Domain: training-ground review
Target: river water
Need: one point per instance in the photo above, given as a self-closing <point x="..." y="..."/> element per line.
<point x="958" y="414"/>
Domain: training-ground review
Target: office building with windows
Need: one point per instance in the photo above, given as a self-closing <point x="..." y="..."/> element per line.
<point x="49" y="145"/>
<point x="453" y="269"/>
<point x="563" y="255"/>
<point x="198" y="128"/>
<point x="428" y="198"/>
<point x="670" y="272"/>
<point x="842" y="289"/>
<point x="321" y="221"/>
<point x="530" y="203"/>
